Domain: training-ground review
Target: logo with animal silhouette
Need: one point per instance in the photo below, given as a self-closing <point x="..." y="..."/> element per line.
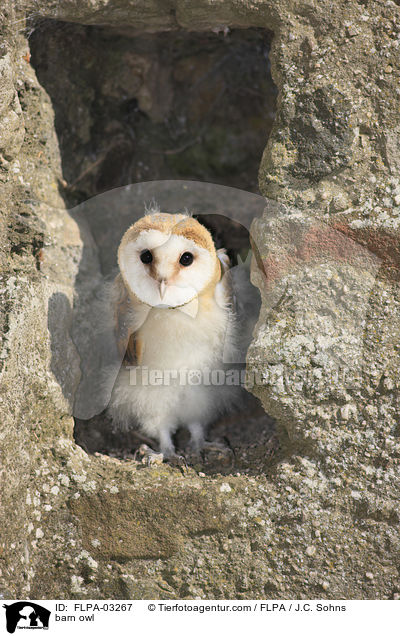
<point x="26" y="615"/>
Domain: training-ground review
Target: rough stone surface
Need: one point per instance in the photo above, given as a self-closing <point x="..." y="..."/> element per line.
<point x="324" y="516"/>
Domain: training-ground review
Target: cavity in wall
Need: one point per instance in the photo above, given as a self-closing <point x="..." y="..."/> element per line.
<point x="133" y="108"/>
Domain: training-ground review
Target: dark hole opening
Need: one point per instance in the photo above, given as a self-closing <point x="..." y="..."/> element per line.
<point x="177" y="105"/>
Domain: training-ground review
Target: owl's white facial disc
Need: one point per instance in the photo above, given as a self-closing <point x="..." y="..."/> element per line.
<point x="164" y="280"/>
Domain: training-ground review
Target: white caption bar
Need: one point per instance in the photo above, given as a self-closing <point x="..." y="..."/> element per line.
<point x="197" y="617"/>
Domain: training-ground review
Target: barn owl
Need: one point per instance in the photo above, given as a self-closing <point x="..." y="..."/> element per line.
<point x="175" y="324"/>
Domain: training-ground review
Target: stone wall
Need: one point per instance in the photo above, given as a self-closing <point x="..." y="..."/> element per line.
<point x="323" y="520"/>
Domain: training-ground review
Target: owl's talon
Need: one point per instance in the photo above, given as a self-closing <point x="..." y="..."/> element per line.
<point x="154" y="459"/>
<point x="149" y="456"/>
<point x="179" y="462"/>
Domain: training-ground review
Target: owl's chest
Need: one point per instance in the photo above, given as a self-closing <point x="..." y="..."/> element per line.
<point x="171" y="339"/>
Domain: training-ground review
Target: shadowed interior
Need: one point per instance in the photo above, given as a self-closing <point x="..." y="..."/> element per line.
<point x="177" y="105"/>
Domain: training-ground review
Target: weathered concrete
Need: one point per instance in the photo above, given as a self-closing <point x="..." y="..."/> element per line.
<point x="323" y="521"/>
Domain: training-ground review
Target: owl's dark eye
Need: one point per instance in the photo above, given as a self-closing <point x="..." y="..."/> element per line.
<point x="186" y="259"/>
<point x="146" y="257"/>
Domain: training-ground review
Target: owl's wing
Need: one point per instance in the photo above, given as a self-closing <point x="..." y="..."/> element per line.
<point x="122" y="311"/>
<point x="245" y="304"/>
<point x="111" y="320"/>
<point x="235" y="292"/>
<point x="223" y="259"/>
<point x="96" y="341"/>
<point x="128" y="317"/>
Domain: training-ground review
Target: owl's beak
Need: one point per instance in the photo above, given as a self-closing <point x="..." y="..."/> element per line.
<point x="163" y="289"/>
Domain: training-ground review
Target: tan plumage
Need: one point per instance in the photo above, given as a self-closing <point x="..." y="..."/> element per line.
<point x="172" y="313"/>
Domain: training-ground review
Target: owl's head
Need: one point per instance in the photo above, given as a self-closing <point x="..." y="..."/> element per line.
<point x="168" y="259"/>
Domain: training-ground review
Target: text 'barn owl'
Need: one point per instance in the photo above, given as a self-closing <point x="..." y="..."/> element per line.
<point x="173" y="312"/>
